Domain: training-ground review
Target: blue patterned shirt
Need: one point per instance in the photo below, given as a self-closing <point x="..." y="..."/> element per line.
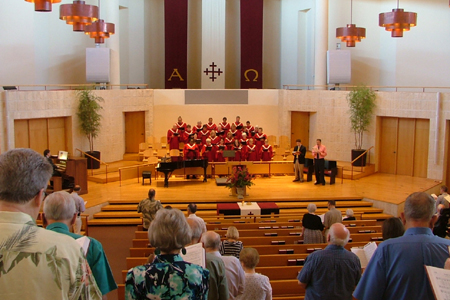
<point x="168" y="277"/>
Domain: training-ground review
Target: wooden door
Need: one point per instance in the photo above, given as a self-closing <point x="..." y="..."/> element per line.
<point x="57" y="135"/>
<point x="300" y="128"/>
<point x="388" y="145"/>
<point x="422" y="136"/>
<point x="134" y="131"/>
<point x="405" y="146"/>
<point x="38" y="134"/>
<point x="21" y="138"/>
<point x="446" y="171"/>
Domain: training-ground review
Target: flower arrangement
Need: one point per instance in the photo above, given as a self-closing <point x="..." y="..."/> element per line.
<point x="239" y="178"/>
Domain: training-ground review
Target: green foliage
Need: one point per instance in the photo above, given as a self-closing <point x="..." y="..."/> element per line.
<point x="240" y="177"/>
<point x="361" y="101"/>
<point x="88" y="113"/>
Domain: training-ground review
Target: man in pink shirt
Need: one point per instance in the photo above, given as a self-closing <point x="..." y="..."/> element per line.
<point x="319" y="152"/>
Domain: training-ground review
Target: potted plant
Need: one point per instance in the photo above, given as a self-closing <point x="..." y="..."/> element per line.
<point x="90" y="121"/>
<point x="361" y="102"/>
<point x="239" y="179"/>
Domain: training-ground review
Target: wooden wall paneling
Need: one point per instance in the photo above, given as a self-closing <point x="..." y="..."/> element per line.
<point x="388" y="145"/>
<point x="134" y="131"/>
<point x="300" y="128"/>
<point x="38" y="135"/>
<point x="21" y="137"/>
<point x="422" y="133"/>
<point x="69" y="136"/>
<point x="57" y="135"/>
<point x="405" y="146"/>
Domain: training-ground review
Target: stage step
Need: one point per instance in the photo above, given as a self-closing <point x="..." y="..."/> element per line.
<point x="101" y="178"/>
<point x="131" y="157"/>
<point x="358" y="173"/>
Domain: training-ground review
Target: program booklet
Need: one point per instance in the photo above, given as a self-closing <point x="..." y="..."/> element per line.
<point x="365" y="253"/>
<point x="84" y="243"/>
<point x="195" y="254"/>
<point x="439" y="280"/>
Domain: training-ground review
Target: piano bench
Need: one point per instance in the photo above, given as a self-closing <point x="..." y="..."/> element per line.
<point x="146" y="174"/>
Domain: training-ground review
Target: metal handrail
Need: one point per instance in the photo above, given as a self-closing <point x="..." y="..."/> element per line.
<point x="132" y="167"/>
<point x="423" y="89"/>
<point x="31" y="87"/>
<point x="100" y="161"/>
<point x="353" y="161"/>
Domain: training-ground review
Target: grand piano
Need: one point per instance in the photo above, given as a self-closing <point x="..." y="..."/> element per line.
<point x="168" y="167"/>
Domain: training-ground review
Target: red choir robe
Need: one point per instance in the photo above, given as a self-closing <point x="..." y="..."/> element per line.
<point x="239" y="153"/>
<point x="222" y="134"/>
<point x="173" y="139"/>
<point x="203" y="136"/>
<point x="186" y="135"/>
<point x="181" y="126"/>
<point x="219" y="153"/>
<point x="244" y="142"/>
<point x="248" y="130"/>
<point x="259" y="141"/>
<point x="197" y="129"/>
<point x="250" y="153"/>
<point x="236" y="134"/>
<point x="229" y="143"/>
<point x="209" y="152"/>
<point x="225" y="126"/>
<point x="239" y="125"/>
<point x="266" y="153"/>
<point x="211" y="126"/>
<point x="215" y="141"/>
<point x="190" y="151"/>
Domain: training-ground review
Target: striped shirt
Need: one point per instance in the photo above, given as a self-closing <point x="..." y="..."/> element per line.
<point x="231" y="248"/>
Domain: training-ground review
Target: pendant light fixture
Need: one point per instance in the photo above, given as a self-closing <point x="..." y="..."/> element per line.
<point x="351" y="34"/>
<point x="99" y="30"/>
<point x="43" y="5"/>
<point x="78" y="14"/>
<point x="397" y="21"/>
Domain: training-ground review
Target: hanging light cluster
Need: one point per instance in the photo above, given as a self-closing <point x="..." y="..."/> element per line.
<point x="100" y="30"/>
<point x="397" y="21"/>
<point x="43" y="5"/>
<point x="351" y="34"/>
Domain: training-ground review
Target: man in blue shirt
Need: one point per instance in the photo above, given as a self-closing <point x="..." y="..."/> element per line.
<point x="60" y="214"/>
<point x="331" y="273"/>
<point x="396" y="270"/>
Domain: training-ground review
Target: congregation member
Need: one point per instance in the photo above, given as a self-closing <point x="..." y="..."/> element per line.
<point x="203" y="135"/>
<point x="219" y="153"/>
<point x="331" y="216"/>
<point x="266" y="151"/>
<point x="215" y="139"/>
<point x="257" y="286"/>
<point x="59" y="216"/>
<point x="333" y="272"/>
<point x="37" y="263"/>
<point x="319" y="152"/>
<point x="251" y="151"/>
<point x="349" y="215"/>
<point x="239" y="152"/>
<point x="197" y="128"/>
<point x="238" y="123"/>
<point x="259" y="140"/>
<point x="208" y="151"/>
<point x="396" y="270"/>
<point x="190" y="150"/>
<point x="231" y="246"/>
<point x="299" y="153"/>
<point x="392" y="228"/>
<point x="444" y="197"/>
<point x="180" y="124"/>
<point x="218" y="284"/>
<point x="191" y="210"/>
<point x="173" y="138"/>
<point x="440" y="228"/>
<point x="168" y="276"/>
<point x="149" y="207"/>
<point x="198" y="228"/>
<point x="79" y="204"/>
<point x="210" y="125"/>
<point x="234" y="273"/>
<point x="225" y="125"/>
<point x="312" y="226"/>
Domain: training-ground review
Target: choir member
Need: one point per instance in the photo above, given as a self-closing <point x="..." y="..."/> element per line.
<point x="220" y="132"/>
<point x="234" y="132"/>
<point x="203" y="134"/>
<point x="190" y="150"/>
<point x="180" y="124"/>
<point x="229" y="141"/>
<point x="254" y="132"/>
<point x="248" y="129"/>
<point x="260" y="137"/>
<point x="208" y="151"/>
<point x="210" y="125"/>
<point x="214" y="138"/>
<point x="173" y="138"/>
<point x="187" y="134"/>
<point x="197" y="141"/>
<point x="266" y="153"/>
<point x="219" y="152"/>
<point x="239" y="151"/>
<point x="198" y="127"/>
<point x="238" y="123"/>
<point x="251" y="153"/>
<point x="243" y="140"/>
<point x="225" y="125"/>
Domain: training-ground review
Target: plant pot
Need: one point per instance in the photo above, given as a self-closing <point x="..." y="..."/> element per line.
<point x="92" y="163"/>
<point x="240" y="191"/>
<point x="360" y="162"/>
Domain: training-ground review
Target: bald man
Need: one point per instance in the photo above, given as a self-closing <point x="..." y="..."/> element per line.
<point x="334" y="272"/>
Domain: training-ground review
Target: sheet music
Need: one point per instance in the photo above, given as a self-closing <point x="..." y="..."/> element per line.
<point x="440" y="282"/>
<point x="195" y="254"/>
<point x="365" y="254"/>
<point x="84" y="243"/>
<point x="322" y="218"/>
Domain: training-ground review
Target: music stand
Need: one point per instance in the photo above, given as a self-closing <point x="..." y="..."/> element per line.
<point x="229" y="153"/>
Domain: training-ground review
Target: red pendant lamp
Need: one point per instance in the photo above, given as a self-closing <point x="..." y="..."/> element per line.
<point x="99" y="30"/>
<point x="351" y="34"/>
<point x="78" y="14"/>
<point x="43" y="5"/>
<point x="397" y="21"/>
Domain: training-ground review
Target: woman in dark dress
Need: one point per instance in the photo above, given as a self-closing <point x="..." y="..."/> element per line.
<point x="312" y="226"/>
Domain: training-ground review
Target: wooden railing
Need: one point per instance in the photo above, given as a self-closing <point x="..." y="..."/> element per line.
<point x="136" y="172"/>
<point x="353" y="161"/>
<point x="376" y="88"/>
<point x="101" y="162"/>
<point x="50" y="87"/>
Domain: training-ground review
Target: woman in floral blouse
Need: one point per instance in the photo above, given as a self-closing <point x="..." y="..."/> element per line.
<point x="168" y="276"/>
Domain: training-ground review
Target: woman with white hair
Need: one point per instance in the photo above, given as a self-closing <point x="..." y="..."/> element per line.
<point x="257" y="286"/>
<point x="312" y="226"/>
<point x="168" y="276"/>
<point x="349" y="215"/>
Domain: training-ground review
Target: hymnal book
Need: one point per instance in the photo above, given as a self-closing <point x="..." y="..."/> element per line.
<point x="220" y="133"/>
<point x="221" y="147"/>
<point x="84" y="242"/>
<point x="439" y="280"/>
<point x="265" y="149"/>
<point x="239" y="127"/>
<point x="365" y="253"/>
<point x="176" y="133"/>
<point x="208" y="148"/>
<point x="195" y="254"/>
<point x="198" y="141"/>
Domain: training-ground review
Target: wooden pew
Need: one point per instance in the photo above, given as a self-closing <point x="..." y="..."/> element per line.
<point x="274" y="273"/>
<point x="219" y="225"/>
<point x="286" y="288"/>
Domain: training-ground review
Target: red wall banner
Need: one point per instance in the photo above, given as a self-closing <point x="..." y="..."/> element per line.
<point x="251" y="43"/>
<point x="175" y="33"/>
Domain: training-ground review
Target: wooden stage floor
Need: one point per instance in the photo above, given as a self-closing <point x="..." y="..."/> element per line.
<point x="383" y="187"/>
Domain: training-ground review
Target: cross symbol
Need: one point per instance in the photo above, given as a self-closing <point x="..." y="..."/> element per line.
<point x="218" y="72"/>
<point x="250" y="214"/>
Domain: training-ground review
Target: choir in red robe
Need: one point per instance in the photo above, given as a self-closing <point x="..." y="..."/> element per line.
<point x="209" y="151"/>
<point x="251" y="153"/>
<point x="173" y="138"/>
<point x="190" y="150"/>
<point x="266" y="152"/>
